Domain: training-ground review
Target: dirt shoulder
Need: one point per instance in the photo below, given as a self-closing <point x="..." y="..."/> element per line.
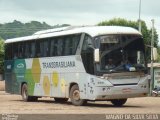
<point x="14" y="104"/>
<point x="2" y="85"/>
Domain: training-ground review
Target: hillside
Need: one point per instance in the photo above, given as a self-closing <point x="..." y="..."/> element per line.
<point x="19" y="29"/>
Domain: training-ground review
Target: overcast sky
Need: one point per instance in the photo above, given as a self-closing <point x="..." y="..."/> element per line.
<point x="79" y="12"/>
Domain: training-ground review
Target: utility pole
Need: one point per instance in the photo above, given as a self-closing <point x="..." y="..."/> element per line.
<point x="139" y="28"/>
<point x="151" y="69"/>
<point x="139" y="21"/>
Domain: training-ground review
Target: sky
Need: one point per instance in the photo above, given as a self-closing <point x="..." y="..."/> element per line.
<point x="79" y="12"/>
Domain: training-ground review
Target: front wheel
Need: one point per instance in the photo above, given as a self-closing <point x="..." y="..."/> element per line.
<point x="25" y="96"/>
<point x="75" y="96"/>
<point x="118" y="102"/>
<point x="154" y="94"/>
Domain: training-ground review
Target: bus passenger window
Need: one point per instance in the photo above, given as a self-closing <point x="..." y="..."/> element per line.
<point x="67" y="45"/>
<point x="20" y="50"/>
<point x="45" y="48"/>
<point x="15" y="51"/>
<point x="15" y="56"/>
<point x="8" y="51"/>
<point x="53" y="47"/>
<point x="38" y="51"/>
<point x="59" y="47"/>
<point x="63" y="46"/>
<point x="27" y="49"/>
<point x="32" y="49"/>
<point x="71" y="43"/>
<point x="42" y="48"/>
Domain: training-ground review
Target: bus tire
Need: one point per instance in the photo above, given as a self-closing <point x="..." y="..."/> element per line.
<point x="75" y="96"/>
<point x="60" y="100"/>
<point x="154" y="94"/>
<point x="25" y="96"/>
<point x="118" y="102"/>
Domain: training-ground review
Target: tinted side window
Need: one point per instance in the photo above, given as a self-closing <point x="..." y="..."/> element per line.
<point x="27" y="47"/>
<point x="33" y="50"/>
<point x="42" y="48"/>
<point x="53" y="47"/>
<point x="71" y="43"/>
<point x="62" y="46"/>
<point x="56" y="46"/>
<point x="20" y="50"/>
<point x="15" y="51"/>
<point x="45" y="48"/>
<point x="67" y="46"/>
<point x="8" y="51"/>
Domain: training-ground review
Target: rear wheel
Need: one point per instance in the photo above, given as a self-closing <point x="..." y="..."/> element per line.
<point x="25" y="96"/>
<point x="61" y="100"/>
<point x="75" y="96"/>
<point x="118" y="102"/>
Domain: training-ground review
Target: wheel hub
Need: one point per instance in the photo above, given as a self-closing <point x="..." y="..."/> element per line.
<point x="76" y="95"/>
<point x="25" y="94"/>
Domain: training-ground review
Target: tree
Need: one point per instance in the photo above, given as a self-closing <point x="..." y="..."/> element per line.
<point x="19" y="29"/>
<point x="1" y="56"/>
<point x="145" y="32"/>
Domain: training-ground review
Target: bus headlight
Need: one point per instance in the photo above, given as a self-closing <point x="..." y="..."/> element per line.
<point x="102" y="77"/>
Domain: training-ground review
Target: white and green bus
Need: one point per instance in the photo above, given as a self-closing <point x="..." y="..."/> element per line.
<point x="70" y="62"/>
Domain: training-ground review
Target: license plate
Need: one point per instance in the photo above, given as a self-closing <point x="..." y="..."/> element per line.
<point x="126" y="90"/>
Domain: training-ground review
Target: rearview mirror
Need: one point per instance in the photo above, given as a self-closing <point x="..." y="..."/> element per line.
<point x="96" y="55"/>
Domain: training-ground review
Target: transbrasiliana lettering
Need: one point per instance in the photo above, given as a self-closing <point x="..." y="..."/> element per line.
<point x="62" y="64"/>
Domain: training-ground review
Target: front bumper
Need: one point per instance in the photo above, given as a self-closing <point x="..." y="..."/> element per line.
<point x="119" y="92"/>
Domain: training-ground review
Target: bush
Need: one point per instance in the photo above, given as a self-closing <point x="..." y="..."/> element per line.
<point x="1" y="56"/>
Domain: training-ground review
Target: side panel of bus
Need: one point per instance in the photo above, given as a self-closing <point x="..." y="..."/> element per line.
<point x="52" y="76"/>
<point x="49" y="76"/>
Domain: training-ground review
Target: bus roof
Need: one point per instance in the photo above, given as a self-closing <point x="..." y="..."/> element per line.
<point x="91" y="30"/>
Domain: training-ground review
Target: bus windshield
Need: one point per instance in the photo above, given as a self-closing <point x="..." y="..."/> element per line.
<point x="119" y="53"/>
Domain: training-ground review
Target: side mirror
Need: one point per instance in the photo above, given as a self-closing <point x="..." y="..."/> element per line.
<point x="155" y="54"/>
<point x="96" y="55"/>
